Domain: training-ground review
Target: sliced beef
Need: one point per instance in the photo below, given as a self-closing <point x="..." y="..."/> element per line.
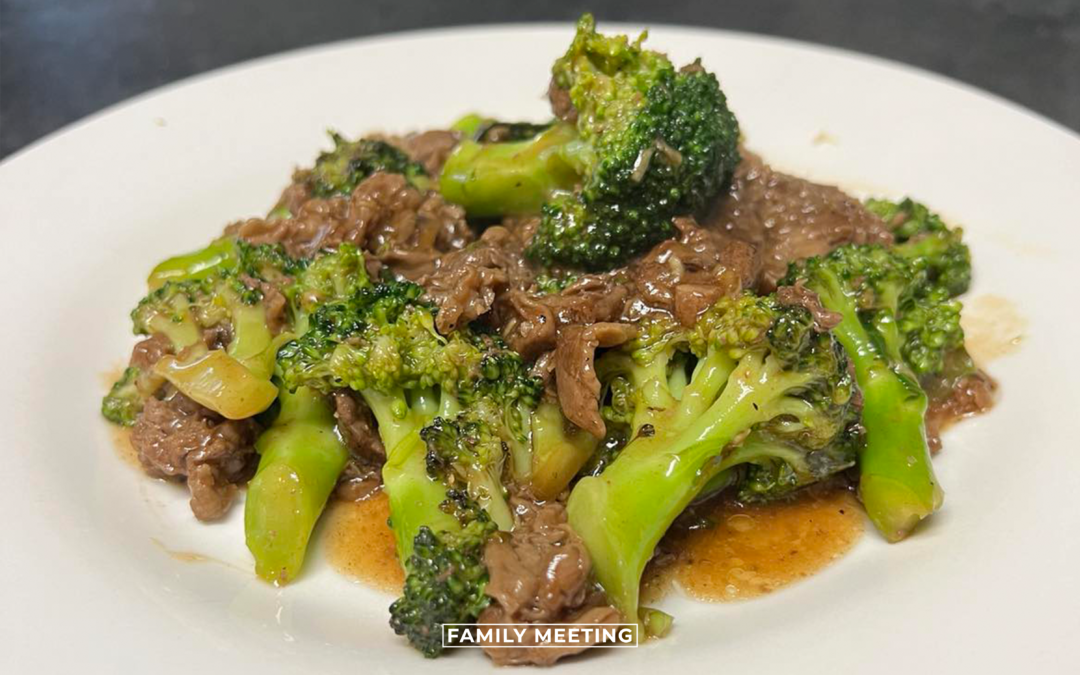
<point x="296" y="194"/>
<point x="362" y="473"/>
<point x="530" y="321"/>
<point x="149" y="351"/>
<point x="395" y="223"/>
<point x="539" y="573"/>
<point x="466" y="282"/>
<point x="430" y="148"/>
<point x="575" y="375"/>
<point x="561" y="105"/>
<point x="798" y="295"/>
<point x="357" y="426"/>
<point x="275" y="304"/>
<point x="788" y="218"/>
<point x="177" y="438"/>
<point x="684" y="276"/>
<point x="969" y="395"/>
<point x="218" y="336"/>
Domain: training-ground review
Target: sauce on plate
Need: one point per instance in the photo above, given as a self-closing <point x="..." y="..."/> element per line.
<point x="753" y="550"/>
<point x="360" y="545"/>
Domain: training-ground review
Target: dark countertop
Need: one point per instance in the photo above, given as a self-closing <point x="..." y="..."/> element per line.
<point x="63" y="59"/>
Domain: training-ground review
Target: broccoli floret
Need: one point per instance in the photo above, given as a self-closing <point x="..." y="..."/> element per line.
<point x="445" y="578"/>
<point x="467" y="452"/>
<point x="650" y="143"/>
<point x="929" y="328"/>
<point x="923" y="238"/>
<point x="339" y="171"/>
<point x="451" y="411"/>
<point x="123" y="403"/>
<point x="896" y="324"/>
<point x="775" y="467"/>
<point x="234" y="382"/>
<point x="191" y="293"/>
<point x="268" y="262"/>
<point x="382" y="343"/>
<point x="748" y="365"/>
<point x="181" y="310"/>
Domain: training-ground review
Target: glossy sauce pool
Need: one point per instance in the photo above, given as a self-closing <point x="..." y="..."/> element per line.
<point x="753" y="550"/>
<point x="360" y="545"/>
<point x="750" y="551"/>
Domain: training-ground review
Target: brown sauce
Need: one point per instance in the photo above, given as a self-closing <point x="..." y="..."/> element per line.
<point x="360" y="545"/>
<point x="754" y="550"/>
<point x="993" y="327"/>
<point x="751" y="550"/>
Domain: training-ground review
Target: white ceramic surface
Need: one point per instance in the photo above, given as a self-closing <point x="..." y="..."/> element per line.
<point x="86" y="580"/>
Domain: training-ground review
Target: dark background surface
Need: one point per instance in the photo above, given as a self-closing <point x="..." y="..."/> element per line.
<point x="63" y="59"/>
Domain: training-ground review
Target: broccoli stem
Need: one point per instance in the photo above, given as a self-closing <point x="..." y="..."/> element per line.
<point x="558" y="452"/>
<point x="896" y="477"/>
<point x="415" y="497"/>
<point x="219" y="382"/>
<point x="301" y="459"/>
<point x="220" y="254"/>
<point x="492" y="179"/>
<point x="622" y="513"/>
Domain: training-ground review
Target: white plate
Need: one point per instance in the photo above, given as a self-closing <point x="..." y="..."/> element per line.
<point x="991" y="585"/>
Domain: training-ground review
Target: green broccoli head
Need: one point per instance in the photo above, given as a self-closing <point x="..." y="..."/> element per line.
<point x="930" y="330"/>
<point x="923" y="238"/>
<point x="467" y="452"/>
<point x="445" y="578"/>
<point x="340" y="170"/>
<point x="650" y="143"/>
<point x="381" y="337"/>
<point x="123" y="403"/>
<point x="334" y="275"/>
<point x="663" y="143"/>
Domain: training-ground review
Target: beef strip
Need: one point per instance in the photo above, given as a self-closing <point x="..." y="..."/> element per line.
<point x="684" y="276"/>
<point x="275" y="304"/>
<point x="539" y="573"/>
<point x="148" y="352"/>
<point x="430" y="148"/>
<point x="530" y="321"/>
<point x="970" y="395"/>
<point x="466" y="282"/>
<point x="177" y="438"/>
<point x="575" y="375"/>
<point x="788" y="218"/>
<point x="294" y="196"/>
<point x="798" y="295"/>
<point x="356" y="424"/>
<point x="393" y="222"/>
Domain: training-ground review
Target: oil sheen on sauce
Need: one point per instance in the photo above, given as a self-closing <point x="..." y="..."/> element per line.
<point x="750" y="551"/>
<point x="360" y="545"/>
<point x="753" y="550"/>
<point x="993" y="327"/>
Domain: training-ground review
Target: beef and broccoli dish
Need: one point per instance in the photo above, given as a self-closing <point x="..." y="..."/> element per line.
<point x="545" y="342"/>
